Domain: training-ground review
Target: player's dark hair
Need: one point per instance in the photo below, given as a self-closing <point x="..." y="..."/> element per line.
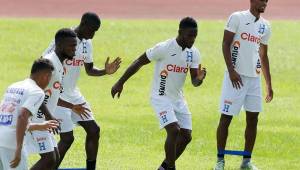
<point x="41" y="64"/>
<point x="64" y="33"/>
<point x="90" y="19"/>
<point x="188" y="22"/>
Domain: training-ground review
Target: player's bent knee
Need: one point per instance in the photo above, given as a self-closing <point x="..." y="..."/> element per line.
<point x="49" y="159"/>
<point x="173" y="129"/>
<point x="188" y="138"/>
<point x="93" y="131"/>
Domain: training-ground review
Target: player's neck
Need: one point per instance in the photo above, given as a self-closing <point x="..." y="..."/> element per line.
<point x="255" y="13"/>
<point x="60" y="56"/>
<point x="76" y="30"/>
<point x="180" y="43"/>
<point x="35" y="78"/>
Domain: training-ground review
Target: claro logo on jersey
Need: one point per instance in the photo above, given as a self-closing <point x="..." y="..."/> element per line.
<point x="235" y="51"/>
<point x="177" y="69"/>
<point x="163" y="81"/>
<point x="250" y="38"/>
<point x="75" y="62"/>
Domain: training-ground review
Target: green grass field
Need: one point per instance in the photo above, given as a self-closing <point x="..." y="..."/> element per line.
<point x="130" y="137"/>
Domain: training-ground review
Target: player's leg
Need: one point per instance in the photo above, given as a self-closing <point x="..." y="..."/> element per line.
<point x="44" y="144"/>
<point x="46" y="162"/>
<point x="172" y="130"/>
<point x="184" y="117"/>
<point x="230" y="104"/>
<point x="92" y="135"/>
<point x="184" y="138"/>
<point x="91" y="142"/>
<point x="222" y="132"/>
<point x="65" y="142"/>
<point x="251" y="130"/>
<point x="253" y="105"/>
<point x="167" y="119"/>
<point x="66" y="133"/>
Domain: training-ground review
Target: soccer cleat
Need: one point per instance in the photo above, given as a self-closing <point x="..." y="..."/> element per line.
<point x="248" y="166"/>
<point x="220" y="165"/>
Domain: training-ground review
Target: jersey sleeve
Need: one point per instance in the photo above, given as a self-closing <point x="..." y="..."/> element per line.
<point x="233" y="22"/>
<point x="87" y="51"/>
<point x="50" y="48"/>
<point x="197" y="59"/>
<point x="155" y="53"/>
<point x="265" y="38"/>
<point x="33" y="101"/>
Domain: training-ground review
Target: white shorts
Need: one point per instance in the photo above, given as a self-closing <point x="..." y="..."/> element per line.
<point x="168" y="111"/>
<point x="68" y="118"/>
<point x="39" y="142"/>
<point x="249" y="96"/>
<point x="7" y="155"/>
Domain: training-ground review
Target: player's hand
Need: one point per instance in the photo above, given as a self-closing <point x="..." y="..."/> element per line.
<point x="81" y="110"/>
<point x="269" y="96"/>
<point x="201" y="73"/>
<point x="117" y="88"/>
<point x="235" y="79"/>
<point x="17" y="158"/>
<point x="111" y="68"/>
<point x="50" y="125"/>
<point x="56" y="129"/>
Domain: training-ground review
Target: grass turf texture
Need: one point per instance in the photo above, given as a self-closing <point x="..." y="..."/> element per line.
<point x="130" y="138"/>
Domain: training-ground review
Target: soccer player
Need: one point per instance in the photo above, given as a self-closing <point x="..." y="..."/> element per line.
<point x="173" y="57"/>
<point x="21" y="101"/>
<point x="245" y="50"/>
<point x="43" y="142"/>
<point x="66" y="113"/>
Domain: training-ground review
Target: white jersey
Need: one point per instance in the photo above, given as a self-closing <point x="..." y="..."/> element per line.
<point x="171" y="68"/>
<point x="54" y="88"/>
<point x="72" y="67"/>
<point x="246" y="42"/>
<point x="24" y="94"/>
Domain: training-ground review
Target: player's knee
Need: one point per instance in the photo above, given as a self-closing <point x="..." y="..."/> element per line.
<point x="94" y="131"/>
<point x="173" y="130"/>
<point x="67" y="139"/>
<point x="252" y="120"/>
<point x="187" y="138"/>
<point x="49" y="159"/>
<point x="225" y="121"/>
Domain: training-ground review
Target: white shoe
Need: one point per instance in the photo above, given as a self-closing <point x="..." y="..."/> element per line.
<point x="248" y="166"/>
<point x="220" y="165"/>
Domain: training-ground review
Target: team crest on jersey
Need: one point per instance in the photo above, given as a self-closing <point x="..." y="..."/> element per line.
<point x="189" y="56"/>
<point x="261" y="28"/>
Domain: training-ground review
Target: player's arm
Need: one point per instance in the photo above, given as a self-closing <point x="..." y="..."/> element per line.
<point x="197" y="75"/>
<point x="20" y="132"/>
<point x="131" y="70"/>
<point x="263" y="51"/>
<point x="77" y="108"/>
<point x="46" y="125"/>
<point x="234" y="76"/>
<point x="46" y="112"/>
<point x="49" y="116"/>
<point x="109" y="68"/>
